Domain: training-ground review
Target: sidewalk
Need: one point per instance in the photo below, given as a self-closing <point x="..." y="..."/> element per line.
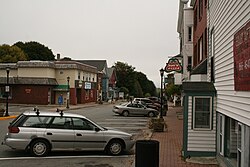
<point x="171" y="141"/>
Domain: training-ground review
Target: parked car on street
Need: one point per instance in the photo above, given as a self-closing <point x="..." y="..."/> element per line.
<point x="127" y="109"/>
<point x="42" y="132"/>
<point x="148" y="103"/>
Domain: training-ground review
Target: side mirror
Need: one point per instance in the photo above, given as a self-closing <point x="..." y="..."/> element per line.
<point x="97" y="129"/>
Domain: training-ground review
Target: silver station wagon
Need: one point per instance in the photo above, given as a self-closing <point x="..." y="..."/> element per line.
<point x="42" y="132"/>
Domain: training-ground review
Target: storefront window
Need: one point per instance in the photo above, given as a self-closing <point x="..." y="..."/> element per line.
<point x="231" y="141"/>
<point x="3" y="93"/>
<point x="202" y="113"/>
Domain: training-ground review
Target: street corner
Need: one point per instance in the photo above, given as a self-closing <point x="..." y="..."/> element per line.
<point x="8" y="117"/>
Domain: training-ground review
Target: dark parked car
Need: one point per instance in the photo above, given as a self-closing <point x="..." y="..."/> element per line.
<point x="148" y="103"/>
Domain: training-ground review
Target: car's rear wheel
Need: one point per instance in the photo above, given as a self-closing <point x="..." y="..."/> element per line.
<point x="151" y="114"/>
<point x="125" y="113"/>
<point x="39" y="148"/>
<point x="115" y="147"/>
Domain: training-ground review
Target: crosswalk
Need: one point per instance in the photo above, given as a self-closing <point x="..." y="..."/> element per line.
<point x="133" y="125"/>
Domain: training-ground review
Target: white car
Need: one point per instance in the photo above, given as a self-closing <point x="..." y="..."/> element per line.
<point x="42" y="132"/>
<point x="127" y="109"/>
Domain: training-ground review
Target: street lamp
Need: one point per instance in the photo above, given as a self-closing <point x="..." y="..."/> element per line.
<point x="161" y="72"/>
<point x="7" y="90"/>
<point x="68" y="78"/>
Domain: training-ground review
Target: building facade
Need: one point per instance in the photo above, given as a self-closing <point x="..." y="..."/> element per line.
<point x="102" y="68"/>
<point x="219" y="85"/>
<point x="48" y="82"/>
<point x="199" y="95"/>
<point x="185" y="30"/>
<point x="229" y="70"/>
<point x="113" y="90"/>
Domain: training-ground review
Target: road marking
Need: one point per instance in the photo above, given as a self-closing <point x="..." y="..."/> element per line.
<point x="121" y="123"/>
<point x="62" y="157"/>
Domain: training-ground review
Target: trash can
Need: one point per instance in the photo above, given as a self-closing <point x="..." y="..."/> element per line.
<point x="147" y="153"/>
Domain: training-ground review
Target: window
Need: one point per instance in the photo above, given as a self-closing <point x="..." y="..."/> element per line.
<point x="200" y="50"/>
<point x="202" y="113"/>
<point x="221" y="134"/>
<point x="212" y="78"/>
<point x="239" y="144"/>
<point x="205" y="43"/>
<point x="195" y="60"/>
<point x="61" y="123"/>
<point x="195" y="18"/>
<point x="189" y="65"/>
<point x="37" y="122"/>
<point x="189" y="33"/>
<point x="82" y="124"/>
<point x="200" y="9"/>
<point x="87" y="94"/>
<point x="3" y="93"/>
<point x="79" y="75"/>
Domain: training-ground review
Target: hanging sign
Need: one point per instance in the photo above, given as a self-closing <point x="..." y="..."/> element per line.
<point x="173" y="65"/>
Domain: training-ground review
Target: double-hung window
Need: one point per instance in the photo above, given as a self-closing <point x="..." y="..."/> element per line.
<point x="202" y="115"/>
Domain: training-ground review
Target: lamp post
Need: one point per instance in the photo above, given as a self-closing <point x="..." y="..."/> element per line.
<point x="68" y="78"/>
<point x="7" y="90"/>
<point x="161" y="72"/>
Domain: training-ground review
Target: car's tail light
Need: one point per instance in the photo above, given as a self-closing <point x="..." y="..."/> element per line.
<point x="13" y="129"/>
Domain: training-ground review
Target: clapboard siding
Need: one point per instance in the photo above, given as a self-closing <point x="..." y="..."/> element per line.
<point x="200" y="140"/>
<point x="226" y="18"/>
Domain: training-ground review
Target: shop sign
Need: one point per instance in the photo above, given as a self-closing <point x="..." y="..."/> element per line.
<point x="173" y="65"/>
<point x="28" y="91"/>
<point x="87" y="85"/>
<point x="241" y="51"/>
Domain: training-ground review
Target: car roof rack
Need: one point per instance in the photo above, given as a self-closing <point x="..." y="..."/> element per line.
<point x="36" y="109"/>
<point x="61" y="111"/>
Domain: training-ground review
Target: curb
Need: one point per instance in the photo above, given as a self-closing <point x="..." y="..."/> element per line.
<point x="9" y="117"/>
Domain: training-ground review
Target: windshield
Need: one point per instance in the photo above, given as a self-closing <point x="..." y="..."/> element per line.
<point x="123" y="104"/>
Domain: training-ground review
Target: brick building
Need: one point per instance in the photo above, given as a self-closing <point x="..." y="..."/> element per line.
<point x="42" y="82"/>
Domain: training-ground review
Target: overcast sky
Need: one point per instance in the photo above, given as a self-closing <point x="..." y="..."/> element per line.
<point x="141" y="33"/>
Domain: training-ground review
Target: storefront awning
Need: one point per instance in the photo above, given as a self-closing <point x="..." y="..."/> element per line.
<point x="61" y="88"/>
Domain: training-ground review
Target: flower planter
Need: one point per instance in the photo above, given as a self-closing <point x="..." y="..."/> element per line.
<point x="157" y="124"/>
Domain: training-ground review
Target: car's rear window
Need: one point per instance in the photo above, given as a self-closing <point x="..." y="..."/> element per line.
<point x="17" y="120"/>
<point x="36" y="121"/>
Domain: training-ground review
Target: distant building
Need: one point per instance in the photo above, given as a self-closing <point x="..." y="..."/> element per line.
<point x="113" y="90"/>
<point x="102" y="68"/>
<point x="43" y="82"/>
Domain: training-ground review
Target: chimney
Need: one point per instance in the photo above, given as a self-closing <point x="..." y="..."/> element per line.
<point x="58" y="57"/>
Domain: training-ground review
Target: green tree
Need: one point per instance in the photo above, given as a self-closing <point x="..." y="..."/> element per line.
<point x="125" y="90"/>
<point x="146" y="85"/>
<point x="137" y="89"/>
<point x="36" y="51"/>
<point x="11" y="54"/>
<point x="136" y="82"/>
<point x="147" y="95"/>
<point x="172" y="89"/>
<point x="125" y="76"/>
